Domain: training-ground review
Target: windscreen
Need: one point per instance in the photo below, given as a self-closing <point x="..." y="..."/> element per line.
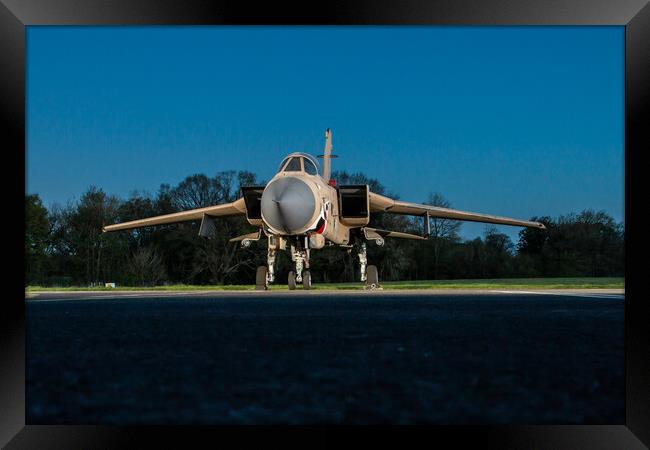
<point x="294" y="165"/>
<point x="310" y="168"/>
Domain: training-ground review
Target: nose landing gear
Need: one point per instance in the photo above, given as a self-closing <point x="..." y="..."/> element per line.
<point x="306" y="280"/>
<point x="301" y="259"/>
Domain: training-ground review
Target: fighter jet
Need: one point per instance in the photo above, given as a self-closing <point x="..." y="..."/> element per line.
<point x="303" y="209"/>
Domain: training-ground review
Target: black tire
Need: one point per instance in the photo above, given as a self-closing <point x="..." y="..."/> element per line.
<point x="292" y="280"/>
<point x="306" y="279"/>
<point x="372" y="277"/>
<point x="260" y="278"/>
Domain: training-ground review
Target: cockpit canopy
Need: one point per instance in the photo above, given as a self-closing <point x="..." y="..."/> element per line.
<point x="299" y="162"/>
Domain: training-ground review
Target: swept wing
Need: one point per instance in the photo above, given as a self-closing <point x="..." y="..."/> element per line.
<point x="380" y="203"/>
<point x="235" y="208"/>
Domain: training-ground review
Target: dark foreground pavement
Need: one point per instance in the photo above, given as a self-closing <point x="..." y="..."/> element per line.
<point x="471" y="358"/>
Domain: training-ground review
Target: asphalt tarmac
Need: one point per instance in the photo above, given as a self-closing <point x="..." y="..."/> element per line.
<point x="431" y="357"/>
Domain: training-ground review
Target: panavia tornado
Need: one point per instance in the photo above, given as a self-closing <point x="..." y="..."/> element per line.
<point x="302" y="209"/>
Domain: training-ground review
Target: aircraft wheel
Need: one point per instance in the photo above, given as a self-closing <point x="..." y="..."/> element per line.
<point x="372" y="277"/>
<point x="292" y="280"/>
<point x="306" y="279"/>
<point x="260" y="278"/>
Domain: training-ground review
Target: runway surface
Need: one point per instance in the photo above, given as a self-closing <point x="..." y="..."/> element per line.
<point x="321" y="357"/>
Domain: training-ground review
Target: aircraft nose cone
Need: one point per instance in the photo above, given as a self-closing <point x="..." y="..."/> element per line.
<point x="288" y="204"/>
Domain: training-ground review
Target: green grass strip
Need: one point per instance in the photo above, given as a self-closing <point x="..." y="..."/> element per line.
<point x="506" y="283"/>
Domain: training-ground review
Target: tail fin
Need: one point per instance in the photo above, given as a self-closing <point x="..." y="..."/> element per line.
<point x="327" y="155"/>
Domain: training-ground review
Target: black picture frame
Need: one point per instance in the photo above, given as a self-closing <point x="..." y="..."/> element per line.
<point x="15" y="15"/>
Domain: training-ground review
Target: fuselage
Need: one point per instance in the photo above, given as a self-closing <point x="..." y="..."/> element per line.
<point x="298" y="201"/>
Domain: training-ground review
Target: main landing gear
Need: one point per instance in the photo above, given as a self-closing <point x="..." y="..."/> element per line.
<point x="266" y="274"/>
<point x="369" y="274"/>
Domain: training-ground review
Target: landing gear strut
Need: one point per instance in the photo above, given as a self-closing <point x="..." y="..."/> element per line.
<point x="369" y="274"/>
<point x="363" y="260"/>
<point x="270" y="260"/>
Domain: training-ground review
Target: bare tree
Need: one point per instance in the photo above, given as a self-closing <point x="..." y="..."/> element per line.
<point x="442" y="230"/>
<point x="146" y="266"/>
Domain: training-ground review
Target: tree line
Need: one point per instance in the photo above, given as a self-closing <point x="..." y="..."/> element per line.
<point x="64" y="245"/>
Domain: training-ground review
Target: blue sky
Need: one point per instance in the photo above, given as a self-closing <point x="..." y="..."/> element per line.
<point x="515" y="121"/>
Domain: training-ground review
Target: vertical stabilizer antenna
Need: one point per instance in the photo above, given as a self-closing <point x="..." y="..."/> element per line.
<point x="327" y="155"/>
